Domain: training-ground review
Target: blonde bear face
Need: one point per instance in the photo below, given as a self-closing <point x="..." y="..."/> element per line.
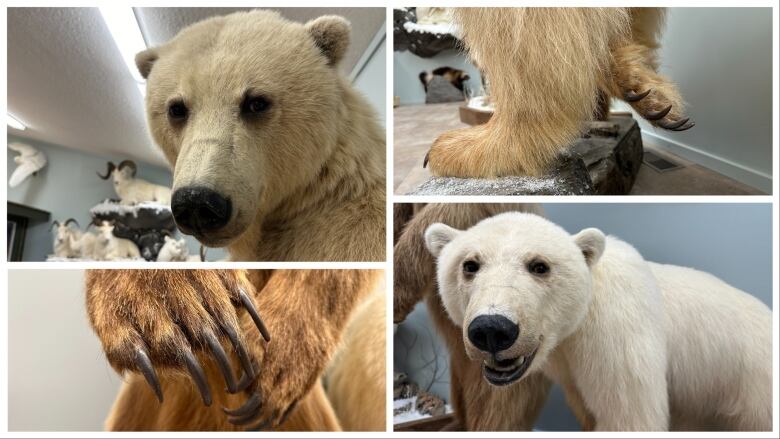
<point x="517" y="285"/>
<point x="246" y="109"/>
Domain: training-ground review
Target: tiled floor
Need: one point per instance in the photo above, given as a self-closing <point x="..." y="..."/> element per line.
<point x="417" y="126"/>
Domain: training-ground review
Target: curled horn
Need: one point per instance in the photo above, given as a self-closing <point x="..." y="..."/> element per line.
<point x="109" y="170"/>
<point x="130" y="164"/>
<point x="55" y="223"/>
<point x="71" y="220"/>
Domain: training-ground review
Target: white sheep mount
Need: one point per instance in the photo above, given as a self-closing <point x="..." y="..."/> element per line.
<point x="133" y="190"/>
<point x="83" y="243"/>
<point x="29" y="162"/>
<point x="111" y="248"/>
<point x="175" y="251"/>
<point x="63" y="236"/>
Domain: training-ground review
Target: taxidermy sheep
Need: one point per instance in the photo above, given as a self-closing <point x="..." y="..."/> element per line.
<point x="110" y="248"/>
<point x="63" y="235"/>
<point x="174" y="250"/>
<point x="133" y="190"/>
<point x="29" y="162"/>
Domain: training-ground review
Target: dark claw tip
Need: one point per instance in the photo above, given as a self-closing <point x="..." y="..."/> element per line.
<point x="250" y="307"/>
<point x="632" y="96"/>
<point x="673" y="125"/>
<point x="425" y="160"/>
<point x="655" y="115"/>
<point x="685" y="127"/>
<point x="198" y="377"/>
<point x="146" y="368"/>
<point x="250" y="406"/>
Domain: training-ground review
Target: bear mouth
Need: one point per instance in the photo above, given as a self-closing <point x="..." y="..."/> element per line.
<point x="505" y="372"/>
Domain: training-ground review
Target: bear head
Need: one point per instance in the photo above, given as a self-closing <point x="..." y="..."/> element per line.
<point x="517" y="285"/>
<point x="246" y="109"/>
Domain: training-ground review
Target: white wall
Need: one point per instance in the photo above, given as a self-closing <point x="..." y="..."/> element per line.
<point x="58" y="378"/>
<point x="721" y="59"/>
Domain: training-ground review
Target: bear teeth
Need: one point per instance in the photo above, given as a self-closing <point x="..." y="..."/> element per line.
<point x="521" y="360"/>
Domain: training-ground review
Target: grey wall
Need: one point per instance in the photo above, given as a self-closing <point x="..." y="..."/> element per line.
<point x="731" y="241"/>
<point x="371" y="81"/>
<point x="721" y="59"/>
<point x="68" y="187"/>
<point x="58" y="378"/>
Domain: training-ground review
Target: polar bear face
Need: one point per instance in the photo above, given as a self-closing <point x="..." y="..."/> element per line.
<point x="246" y="108"/>
<point x="517" y="284"/>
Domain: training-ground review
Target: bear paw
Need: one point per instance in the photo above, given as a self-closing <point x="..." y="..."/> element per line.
<point x="152" y="321"/>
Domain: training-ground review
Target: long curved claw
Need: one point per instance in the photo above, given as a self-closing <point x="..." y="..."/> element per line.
<point x="673" y="125"/>
<point x="632" y="96"/>
<point x="146" y="368"/>
<point x="656" y="115"/>
<point x="243" y="355"/>
<point x="250" y="307"/>
<point x="222" y="360"/>
<point x="250" y="406"/>
<point x="687" y="126"/>
<point x="262" y="425"/>
<point x="198" y="376"/>
<point x="425" y="160"/>
<point x="245" y="381"/>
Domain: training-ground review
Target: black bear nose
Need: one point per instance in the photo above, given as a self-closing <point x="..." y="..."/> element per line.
<point x="493" y="333"/>
<point x="200" y="209"/>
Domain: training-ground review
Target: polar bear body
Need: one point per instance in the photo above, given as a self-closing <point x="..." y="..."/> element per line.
<point x="644" y="346"/>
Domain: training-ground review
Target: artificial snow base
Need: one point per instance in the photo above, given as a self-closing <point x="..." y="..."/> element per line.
<point x="146" y="224"/>
<point x="604" y="161"/>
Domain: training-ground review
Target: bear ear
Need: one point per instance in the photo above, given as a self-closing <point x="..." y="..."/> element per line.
<point x="591" y="242"/>
<point x="331" y="35"/>
<point x="437" y="236"/>
<point x="145" y="60"/>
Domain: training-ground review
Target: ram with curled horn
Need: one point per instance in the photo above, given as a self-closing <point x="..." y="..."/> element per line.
<point x="64" y="236"/>
<point x="132" y="190"/>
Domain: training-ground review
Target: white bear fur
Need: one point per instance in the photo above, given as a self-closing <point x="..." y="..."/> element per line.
<point x="647" y="346"/>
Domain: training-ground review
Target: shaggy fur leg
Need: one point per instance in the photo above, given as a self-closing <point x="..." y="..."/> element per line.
<point x="544" y="65"/>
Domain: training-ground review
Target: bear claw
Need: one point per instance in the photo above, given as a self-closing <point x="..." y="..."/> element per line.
<point x="146" y="368"/>
<point x="250" y="307"/>
<point x="674" y="125"/>
<point x="632" y="96"/>
<point x="656" y="115"/>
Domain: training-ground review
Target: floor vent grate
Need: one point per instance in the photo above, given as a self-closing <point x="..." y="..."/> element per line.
<point x="659" y="163"/>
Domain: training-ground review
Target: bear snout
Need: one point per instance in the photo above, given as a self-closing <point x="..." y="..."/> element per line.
<point x="200" y="209"/>
<point x="493" y="333"/>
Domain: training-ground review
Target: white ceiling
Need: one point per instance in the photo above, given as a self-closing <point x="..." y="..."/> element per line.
<point x="68" y="83"/>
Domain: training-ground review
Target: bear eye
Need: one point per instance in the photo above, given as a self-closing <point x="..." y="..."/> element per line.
<point x="538" y="267"/>
<point x="255" y="105"/>
<point x="178" y="111"/>
<point x="470" y="267"/>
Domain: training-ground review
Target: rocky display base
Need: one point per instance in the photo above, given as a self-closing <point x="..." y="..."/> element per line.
<point x="604" y="161"/>
<point x="145" y="224"/>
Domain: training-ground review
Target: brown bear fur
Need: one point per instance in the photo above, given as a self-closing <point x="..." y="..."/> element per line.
<point x="550" y="70"/>
<point x="170" y="312"/>
<point x="478" y="406"/>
